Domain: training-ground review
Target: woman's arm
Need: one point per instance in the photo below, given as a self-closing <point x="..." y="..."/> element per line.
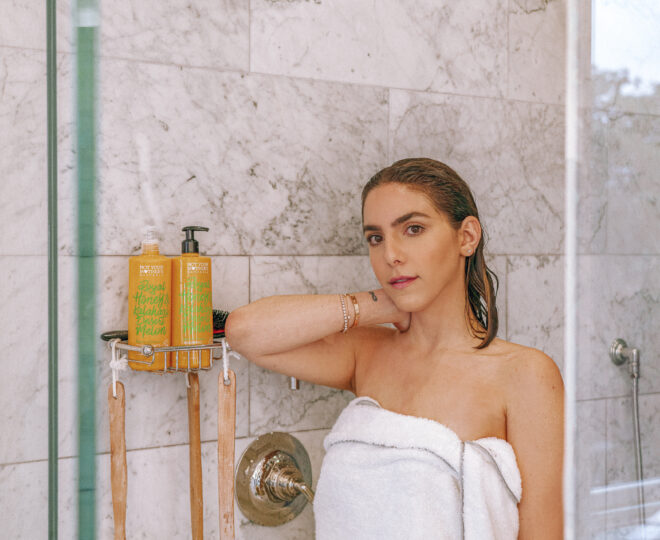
<point x="301" y="335"/>
<point x="535" y="429"/>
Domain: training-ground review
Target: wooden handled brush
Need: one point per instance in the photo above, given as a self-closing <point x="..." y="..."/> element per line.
<point x="196" y="498"/>
<point x="226" y="433"/>
<point x="117" y="409"/>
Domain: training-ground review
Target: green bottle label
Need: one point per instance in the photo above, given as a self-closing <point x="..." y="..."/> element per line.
<point x="152" y="305"/>
<point x="195" y="307"/>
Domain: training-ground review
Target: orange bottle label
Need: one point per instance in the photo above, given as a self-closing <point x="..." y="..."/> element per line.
<point x="149" y="308"/>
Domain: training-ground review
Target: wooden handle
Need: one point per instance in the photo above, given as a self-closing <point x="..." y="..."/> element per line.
<point x="226" y="433"/>
<point x="117" y="408"/>
<point x="196" y="499"/>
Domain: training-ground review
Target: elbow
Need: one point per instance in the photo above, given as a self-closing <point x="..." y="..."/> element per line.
<point x="244" y="331"/>
<point x="235" y="329"/>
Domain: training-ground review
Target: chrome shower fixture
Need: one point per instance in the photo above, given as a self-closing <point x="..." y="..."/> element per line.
<point x="620" y="353"/>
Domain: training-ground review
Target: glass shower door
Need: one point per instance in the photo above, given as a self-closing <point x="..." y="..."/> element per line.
<point x="618" y="267"/>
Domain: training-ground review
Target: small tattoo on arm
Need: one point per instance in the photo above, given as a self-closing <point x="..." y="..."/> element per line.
<point x="373" y="296"/>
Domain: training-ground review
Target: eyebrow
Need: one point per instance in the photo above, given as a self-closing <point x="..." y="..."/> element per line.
<point x="396" y="222"/>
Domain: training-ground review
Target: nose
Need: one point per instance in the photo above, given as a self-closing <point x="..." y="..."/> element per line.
<point x="394" y="254"/>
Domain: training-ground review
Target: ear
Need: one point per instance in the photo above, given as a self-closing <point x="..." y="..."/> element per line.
<point x="469" y="235"/>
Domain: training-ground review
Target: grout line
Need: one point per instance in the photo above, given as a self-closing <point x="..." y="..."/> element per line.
<point x="411" y="90"/>
<point x="249" y="36"/>
<point x="129" y="450"/>
<point x="332" y="81"/>
<point x="619" y="396"/>
<point x="27" y="462"/>
<point x="347" y="83"/>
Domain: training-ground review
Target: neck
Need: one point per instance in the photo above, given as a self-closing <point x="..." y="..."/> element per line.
<point x="443" y="325"/>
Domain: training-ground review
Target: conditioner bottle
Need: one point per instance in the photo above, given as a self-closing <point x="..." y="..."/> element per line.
<point x="149" y="303"/>
<point x="192" y="313"/>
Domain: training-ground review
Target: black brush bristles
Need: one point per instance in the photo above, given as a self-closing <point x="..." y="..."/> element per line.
<point x="219" y="319"/>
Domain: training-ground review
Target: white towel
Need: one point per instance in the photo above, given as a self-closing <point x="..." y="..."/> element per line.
<point x="387" y="475"/>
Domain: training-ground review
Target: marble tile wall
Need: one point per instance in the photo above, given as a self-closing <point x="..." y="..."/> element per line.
<point x="262" y="120"/>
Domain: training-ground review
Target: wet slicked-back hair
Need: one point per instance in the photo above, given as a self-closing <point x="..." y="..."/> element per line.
<point x="451" y="196"/>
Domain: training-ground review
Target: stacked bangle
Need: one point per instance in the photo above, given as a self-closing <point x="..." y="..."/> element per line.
<point x="343" y="309"/>
<point x="356" y="307"/>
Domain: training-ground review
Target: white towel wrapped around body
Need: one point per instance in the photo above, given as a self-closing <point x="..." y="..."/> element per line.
<point x="387" y="475"/>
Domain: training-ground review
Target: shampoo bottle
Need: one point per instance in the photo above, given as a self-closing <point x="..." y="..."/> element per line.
<point x="192" y="319"/>
<point x="149" y="303"/>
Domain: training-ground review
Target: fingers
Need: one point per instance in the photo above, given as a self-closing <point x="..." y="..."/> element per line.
<point x="403" y="326"/>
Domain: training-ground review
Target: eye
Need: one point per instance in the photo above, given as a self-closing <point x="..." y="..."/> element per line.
<point x="414" y="229"/>
<point x="374" y="239"/>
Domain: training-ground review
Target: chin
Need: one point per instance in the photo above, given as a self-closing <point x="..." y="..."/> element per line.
<point x="410" y="303"/>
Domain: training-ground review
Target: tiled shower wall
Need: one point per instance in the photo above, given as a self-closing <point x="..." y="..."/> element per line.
<point x="262" y="119"/>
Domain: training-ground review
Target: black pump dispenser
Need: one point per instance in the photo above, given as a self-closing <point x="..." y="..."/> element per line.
<point x="190" y="245"/>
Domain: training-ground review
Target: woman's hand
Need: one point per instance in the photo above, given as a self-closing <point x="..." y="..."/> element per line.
<point x="403" y="325"/>
<point x="383" y="310"/>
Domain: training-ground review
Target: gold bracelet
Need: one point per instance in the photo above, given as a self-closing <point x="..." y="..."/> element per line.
<point x="344" y="311"/>
<point x="357" y="309"/>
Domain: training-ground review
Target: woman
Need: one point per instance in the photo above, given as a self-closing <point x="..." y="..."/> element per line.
<point x="481" y="405"/>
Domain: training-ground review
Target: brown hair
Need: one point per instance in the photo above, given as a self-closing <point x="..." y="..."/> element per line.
<point x="451" y="195"/>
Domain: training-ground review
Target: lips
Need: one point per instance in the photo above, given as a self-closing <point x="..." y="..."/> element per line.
<point x="401" y="282"/>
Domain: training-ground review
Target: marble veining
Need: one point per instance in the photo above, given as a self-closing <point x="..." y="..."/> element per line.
<point x="618" y="296"/>
<point x="621" y="473"/>
<point x="592" y="182"/>
<point x="23" y="24"/>
<point x="536" y="28"/>
<point x="265" y="181"/>
<point x="205" y="33"/>
<point x="458" y="48"/>
<point x="536" y="310"/>
<point x="23" y="157"/>
<point x="208" y="33"/>
<point x="24" y="383"/>
<point x="633" y="215"/>
<point x="509" y="153"/>
<point x="310" y="275"/>
<point x="592" y="454"/>
<point x="23" y="196"/>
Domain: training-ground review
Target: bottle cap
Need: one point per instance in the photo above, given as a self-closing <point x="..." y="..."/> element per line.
<point x="150" y="237"/>
<point x="190" y="245"/>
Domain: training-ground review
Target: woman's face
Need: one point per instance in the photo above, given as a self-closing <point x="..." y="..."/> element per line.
<point x="414" y="251"/>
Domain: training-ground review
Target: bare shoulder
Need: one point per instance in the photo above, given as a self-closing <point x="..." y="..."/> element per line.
<point x="535" y="429"/>
<point x="530" y="379"/>
<point x="531" y="370"/>
<point x="522" y="365"/>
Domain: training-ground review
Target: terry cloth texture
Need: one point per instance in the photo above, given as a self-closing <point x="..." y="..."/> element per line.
<point x="387" y="475"/>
